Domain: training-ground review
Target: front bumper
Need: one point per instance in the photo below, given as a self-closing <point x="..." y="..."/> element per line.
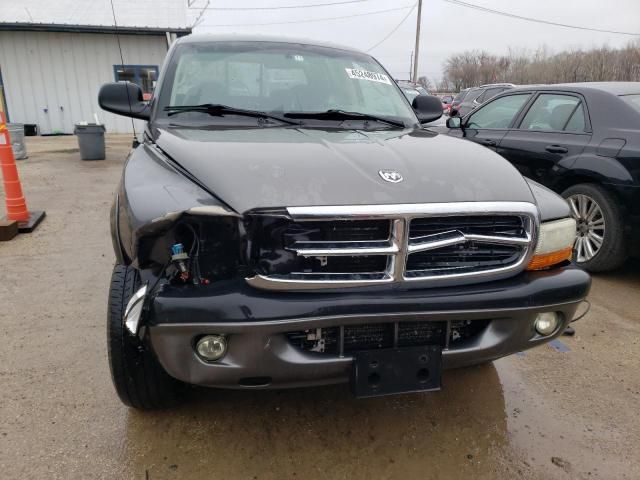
<point x="255" y="322"/>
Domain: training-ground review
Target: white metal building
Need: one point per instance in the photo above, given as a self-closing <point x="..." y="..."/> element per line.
<point x="54" y="56"/>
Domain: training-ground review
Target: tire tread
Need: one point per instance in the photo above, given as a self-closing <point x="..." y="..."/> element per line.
<point x="139" y="379"/>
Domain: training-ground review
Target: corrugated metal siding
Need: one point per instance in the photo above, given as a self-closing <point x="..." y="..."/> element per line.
<point x="138" y="13"/>
<point x="62" y="73"/>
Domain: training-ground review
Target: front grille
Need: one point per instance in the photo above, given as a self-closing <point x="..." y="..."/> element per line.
<point x="336" y="231"/>
<point x="338" y="234"/>
<point x="502" y="225"/>
<point x="338" y="247"/>
<point x="365" y="264"/>
<point x="473" y="257"/>
<point x="348" y="339"/>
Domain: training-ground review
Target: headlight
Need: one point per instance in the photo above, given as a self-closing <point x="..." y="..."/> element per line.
<point x="555" y="244"/>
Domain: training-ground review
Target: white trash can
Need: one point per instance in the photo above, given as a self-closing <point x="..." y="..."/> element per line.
<point x="90" y="140"/>
<point x="16" y="132"/>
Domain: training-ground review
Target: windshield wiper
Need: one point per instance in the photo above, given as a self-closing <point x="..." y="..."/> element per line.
<point x="220" y="110"/>
<point x="335" y="114"/>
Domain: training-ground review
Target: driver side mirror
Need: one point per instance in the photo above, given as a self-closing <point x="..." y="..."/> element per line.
<point x="454" y="122"/>
<point x="427" y="107"/>
<point x="124" y="98"/>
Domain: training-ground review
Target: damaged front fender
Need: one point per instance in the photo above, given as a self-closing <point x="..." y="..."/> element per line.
<point x="153" y="196"/>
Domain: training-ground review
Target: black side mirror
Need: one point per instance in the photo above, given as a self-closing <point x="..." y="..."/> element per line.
<point x="428" y="108"/>
<point x="124" y="98"/>
<point x="454" y="122"/>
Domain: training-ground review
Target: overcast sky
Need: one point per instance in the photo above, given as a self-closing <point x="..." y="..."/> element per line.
<point x="446" y="28"/>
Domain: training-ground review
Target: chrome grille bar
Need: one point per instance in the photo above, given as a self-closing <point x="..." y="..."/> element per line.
<point x="499" y="240"/>
<point x="438" y="240"/>
<point x="336" y="249"/>
<point x="400" y="245"/>
<point x="400" y="234"/>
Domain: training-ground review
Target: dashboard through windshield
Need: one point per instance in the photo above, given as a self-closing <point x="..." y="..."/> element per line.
<point x="279" y="78"/>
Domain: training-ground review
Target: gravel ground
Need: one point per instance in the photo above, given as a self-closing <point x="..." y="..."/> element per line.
<point x="564" y="412"/>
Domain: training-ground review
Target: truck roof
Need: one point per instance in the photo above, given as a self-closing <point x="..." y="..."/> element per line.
<point x="235" y="37"/>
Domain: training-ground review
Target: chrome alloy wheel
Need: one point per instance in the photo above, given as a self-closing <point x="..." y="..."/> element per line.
<point x="590" y="226"/>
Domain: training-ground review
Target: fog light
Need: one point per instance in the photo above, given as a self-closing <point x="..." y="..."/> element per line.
<point x="211" y="347"/>
<point x="546" y="323"/>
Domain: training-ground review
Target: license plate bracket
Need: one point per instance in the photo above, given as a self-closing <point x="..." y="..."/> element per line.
<point x="396" y="370"/>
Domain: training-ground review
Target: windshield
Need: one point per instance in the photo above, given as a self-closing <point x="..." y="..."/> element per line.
<point x="278" y="78"/>
<point x="458" y="98"/>
<point x="633" y="100"/>
<point x="410" y="93"/>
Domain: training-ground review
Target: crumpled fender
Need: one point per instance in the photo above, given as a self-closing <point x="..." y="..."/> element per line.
<point x="153" y="195"/>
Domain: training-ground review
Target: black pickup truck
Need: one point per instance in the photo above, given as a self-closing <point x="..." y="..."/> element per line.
<point x="288" y="221"/>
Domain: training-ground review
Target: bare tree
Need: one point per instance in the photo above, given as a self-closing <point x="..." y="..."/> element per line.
<point x="426" y="83"/>
<point x="475" y="67"/>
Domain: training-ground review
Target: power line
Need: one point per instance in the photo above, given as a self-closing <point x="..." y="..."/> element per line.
<point x="536" y="20"/>
<point x="404" y="19"/>
<point x="200" y="16"/>
<point x="284" y="7"/>
<point x="308" y="20"/>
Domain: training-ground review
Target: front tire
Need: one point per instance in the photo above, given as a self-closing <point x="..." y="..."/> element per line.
<point x="138" y="377"/>
<point x="600" y="245"/>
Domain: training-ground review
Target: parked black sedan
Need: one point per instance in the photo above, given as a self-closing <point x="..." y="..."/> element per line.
<point x="477" y="96"/>
<point x="581" y="140"/>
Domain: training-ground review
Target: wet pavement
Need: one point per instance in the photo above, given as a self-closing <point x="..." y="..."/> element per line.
<point x="564" y="411"/>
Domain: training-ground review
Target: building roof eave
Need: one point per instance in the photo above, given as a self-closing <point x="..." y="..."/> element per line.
<point x="48" y="27"/>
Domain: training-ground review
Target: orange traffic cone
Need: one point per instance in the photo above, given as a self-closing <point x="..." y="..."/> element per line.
<point x="16" y="205"/>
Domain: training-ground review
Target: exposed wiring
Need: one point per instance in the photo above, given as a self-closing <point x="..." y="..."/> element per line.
<point x="193" y="257"/>
<point x="164" y="269"/>
<point x="284" y="7"/>
<point x="196" y="241"/>
<point x="536" y="20"/>
<point x="307" y="20"/>
<point x="404" y="19"/>
<point x="584" y="313"/>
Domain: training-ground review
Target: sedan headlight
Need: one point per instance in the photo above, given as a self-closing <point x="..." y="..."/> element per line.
<point x="555" y="244"/>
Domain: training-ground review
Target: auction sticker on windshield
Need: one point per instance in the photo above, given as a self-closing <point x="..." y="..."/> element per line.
<point x="366" y="75"/>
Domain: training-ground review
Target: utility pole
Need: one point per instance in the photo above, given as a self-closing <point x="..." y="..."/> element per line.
<point x="417" y="49"/>
<point x="410" y="66"/>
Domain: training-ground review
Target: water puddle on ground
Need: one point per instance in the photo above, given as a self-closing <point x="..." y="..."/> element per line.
<point x="542" y="430"/>
<point x="460" y="432"/>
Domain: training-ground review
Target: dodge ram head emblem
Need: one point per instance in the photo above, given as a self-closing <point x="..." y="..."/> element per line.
<point x="390" y="176"/>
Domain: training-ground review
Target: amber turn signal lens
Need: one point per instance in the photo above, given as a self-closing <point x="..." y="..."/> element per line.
<point x="546" y="260"/>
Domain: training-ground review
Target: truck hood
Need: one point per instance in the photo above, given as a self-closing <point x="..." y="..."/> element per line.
<point x="283" y="167"/>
